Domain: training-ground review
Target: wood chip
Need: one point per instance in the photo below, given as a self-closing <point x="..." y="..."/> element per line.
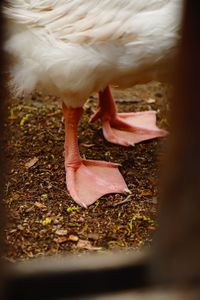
<point x="20" y="227"/>
<point x="61" y="232"/>
<point x="127" y="199"/>
<point x="150" y="100"/>
<point x="84" y="244"/>
<point x="87" y="145"/>
<point x="40" y="205"/>
<point x="31" y="162"/>
<point x="61" y="239"/>
<point x="73" y="238"/>
<point x="144" y="193"/>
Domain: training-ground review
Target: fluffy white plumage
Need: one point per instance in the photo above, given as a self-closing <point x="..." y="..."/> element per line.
<point x="73" y="48"/>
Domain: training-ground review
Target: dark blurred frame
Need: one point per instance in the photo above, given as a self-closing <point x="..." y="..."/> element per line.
<point x="3" y="112"/>
<point x="174" y="260"/>
<point x="178" y="242"/>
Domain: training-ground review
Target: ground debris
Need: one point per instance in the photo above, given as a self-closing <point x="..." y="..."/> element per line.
<point x="73" y="238"/>
<point x="31" y="162"/>
<point x="61" y="239"/>
<point x="42" y="218"/>
<point x="61" y="232"/>
<point x="84" y="244"/>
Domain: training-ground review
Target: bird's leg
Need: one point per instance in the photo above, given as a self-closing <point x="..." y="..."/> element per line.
<point x="125" y="128"/>
<point x="87" y="180"/>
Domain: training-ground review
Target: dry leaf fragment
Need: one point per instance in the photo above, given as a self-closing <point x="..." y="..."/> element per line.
<point x="47" y="221"/>
<point x="31" y="162"/>
<point x="44" y="196"/>
<point x="24" y="119"/>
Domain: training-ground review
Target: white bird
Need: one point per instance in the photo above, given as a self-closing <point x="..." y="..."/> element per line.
<point x="73" y="48"/>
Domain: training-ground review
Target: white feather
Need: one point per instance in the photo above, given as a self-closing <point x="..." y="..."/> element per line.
<point x="73" y="48"/>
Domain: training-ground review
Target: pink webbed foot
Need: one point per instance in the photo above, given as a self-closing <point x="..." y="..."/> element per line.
<point x="93" y="179"/>
<point x="125" y="128"/>
<point x="128" y="129"/>
<point x="87" y="180"/>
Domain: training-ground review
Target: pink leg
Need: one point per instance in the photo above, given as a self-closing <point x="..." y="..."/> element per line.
<point x="87" y="180"/>
<point x="125" y="128"/>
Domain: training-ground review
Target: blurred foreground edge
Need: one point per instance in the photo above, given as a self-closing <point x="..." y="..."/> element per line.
<point x="69" y="277"/>
<point x="177" y="248"/>
<point x="174" y="261"/>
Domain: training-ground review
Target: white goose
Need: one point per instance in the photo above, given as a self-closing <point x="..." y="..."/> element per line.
<point x="73" y="48"/>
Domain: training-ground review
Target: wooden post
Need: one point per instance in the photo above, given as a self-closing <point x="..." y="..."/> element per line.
<point x="177" y="249"/>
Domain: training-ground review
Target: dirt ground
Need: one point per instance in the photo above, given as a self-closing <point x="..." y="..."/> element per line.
<point x="42" y="217"/>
